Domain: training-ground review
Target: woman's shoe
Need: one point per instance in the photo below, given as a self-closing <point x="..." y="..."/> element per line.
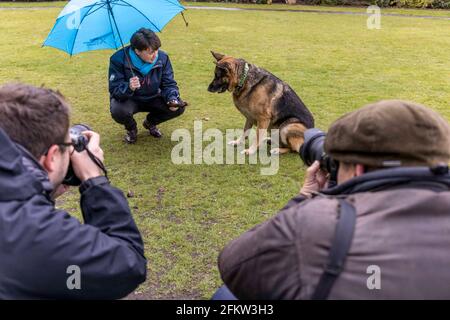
<point x="152" y="129"/>
<point x="131" y="136"/>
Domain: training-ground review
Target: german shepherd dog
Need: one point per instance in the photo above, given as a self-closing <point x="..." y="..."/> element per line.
<point x="265" y="101"/>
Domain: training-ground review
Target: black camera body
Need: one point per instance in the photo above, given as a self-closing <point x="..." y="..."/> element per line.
<point x="79" y="142"/>
<point x="313" y="149"/>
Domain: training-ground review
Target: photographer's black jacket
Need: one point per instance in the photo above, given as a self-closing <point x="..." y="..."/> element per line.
<point x="39" y="243"/>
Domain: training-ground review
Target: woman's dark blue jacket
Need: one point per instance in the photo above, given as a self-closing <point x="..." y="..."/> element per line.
<point x="158" y="82"/>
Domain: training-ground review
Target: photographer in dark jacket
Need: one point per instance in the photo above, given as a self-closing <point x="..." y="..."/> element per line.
<point x="381" y="233"/>
<point x="141" y="80"/>
<point x="44" y="252"/>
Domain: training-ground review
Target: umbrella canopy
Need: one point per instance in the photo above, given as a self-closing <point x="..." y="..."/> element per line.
<point x="85" y="25"/>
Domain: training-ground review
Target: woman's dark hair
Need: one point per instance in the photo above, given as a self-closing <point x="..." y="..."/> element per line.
<point x="144" y="39"/>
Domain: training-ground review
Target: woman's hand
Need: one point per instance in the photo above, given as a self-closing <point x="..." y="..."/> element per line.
<point x="134" y="83"/>
<point x="175" y="104"/>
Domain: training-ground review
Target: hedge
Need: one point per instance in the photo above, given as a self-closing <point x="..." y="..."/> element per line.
<point x="435" y="4"/>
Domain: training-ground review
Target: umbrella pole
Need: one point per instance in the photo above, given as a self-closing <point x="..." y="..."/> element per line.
<point x="120" y="38"/>
<point x="182" y="14"/>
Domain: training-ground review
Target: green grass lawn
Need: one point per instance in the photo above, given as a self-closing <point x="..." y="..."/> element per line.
<point x="187" y="213"/>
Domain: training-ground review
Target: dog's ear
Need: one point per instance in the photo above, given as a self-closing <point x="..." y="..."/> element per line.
<point x="223" y="66"/>
<point x="217" y="56"/>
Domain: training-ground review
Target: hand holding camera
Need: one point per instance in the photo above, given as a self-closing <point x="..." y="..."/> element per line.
<point x="315" y="180"/>
<point x="86" y="161"/>
<point x="83" y="167"/>
<point x="320" y="163"/>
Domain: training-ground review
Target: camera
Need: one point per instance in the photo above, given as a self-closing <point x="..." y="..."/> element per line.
<point x="313" y="149"/>
<point x="79" y="142"/>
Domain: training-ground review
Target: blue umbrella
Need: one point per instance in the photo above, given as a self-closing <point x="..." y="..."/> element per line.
<point x="85" y="25"/>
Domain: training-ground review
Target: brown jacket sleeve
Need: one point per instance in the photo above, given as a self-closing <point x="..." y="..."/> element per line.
<point x="256" y="265"/>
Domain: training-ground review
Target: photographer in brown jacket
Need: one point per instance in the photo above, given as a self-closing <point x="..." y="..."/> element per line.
<point x="382" y="233"/>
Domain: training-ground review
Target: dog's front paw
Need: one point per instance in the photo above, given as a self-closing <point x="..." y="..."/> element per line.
<point x="235" y="142"/>
<point x="275" y="151"/>
<point x="248" y="151"/>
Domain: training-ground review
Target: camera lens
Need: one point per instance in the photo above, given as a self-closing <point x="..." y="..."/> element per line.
<point x="312" y="148"/>
<point x="79" y="141"/>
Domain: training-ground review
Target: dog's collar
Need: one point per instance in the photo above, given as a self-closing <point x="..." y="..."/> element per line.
<point x="242" y="78"/>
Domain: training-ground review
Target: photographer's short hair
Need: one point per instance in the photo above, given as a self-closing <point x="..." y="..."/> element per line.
<point x="35" y="118"/>
<point x="144" y="39"/>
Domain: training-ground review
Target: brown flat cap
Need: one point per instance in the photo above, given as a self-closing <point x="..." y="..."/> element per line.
<point x="390" y="133"/>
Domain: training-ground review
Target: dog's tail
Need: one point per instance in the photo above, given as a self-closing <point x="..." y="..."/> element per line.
<point x="292" y="135"/>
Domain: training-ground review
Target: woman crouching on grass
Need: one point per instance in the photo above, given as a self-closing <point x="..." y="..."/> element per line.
<point x="141" y="80"/>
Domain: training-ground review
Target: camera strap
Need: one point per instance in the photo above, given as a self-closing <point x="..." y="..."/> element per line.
<point x="97" y="161"/>
<point x="340" y="246"/>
